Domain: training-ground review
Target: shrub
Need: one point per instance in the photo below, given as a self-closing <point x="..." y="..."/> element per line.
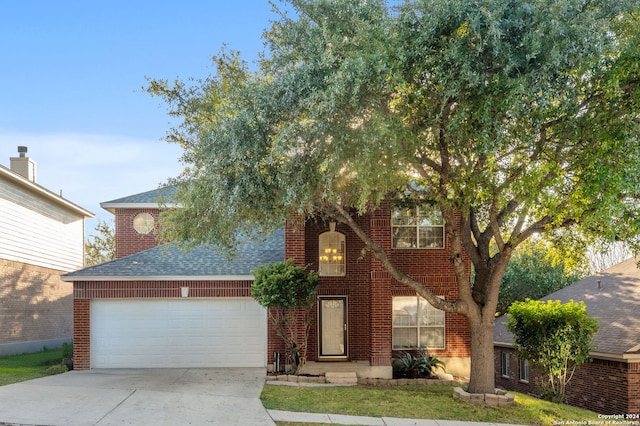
<point x="67" y="355"/>
<point x="412" y="367"/>
<point x="555" y="337"/>
<point x="286" y="290"/>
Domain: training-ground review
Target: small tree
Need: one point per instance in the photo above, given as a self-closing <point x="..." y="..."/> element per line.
<point x="287" y="291"/>
<point x="555" y="337"/>
<point x="532" y="274"/>
<point x="100" y="247"/>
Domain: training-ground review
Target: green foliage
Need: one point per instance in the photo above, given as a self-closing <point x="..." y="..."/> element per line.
<point x="18" y="368"/>
<point x="67" y="355"/>
<point x="422" y="365"/>
<point x="287" y="290"/>
<point x="284" y="285"/>
<point x="512" y="117"/>
<point x="531" y="274"/>
<point x="421" y="401"/>
<point x="555" y="337"/>
<point x="100" y="246"/>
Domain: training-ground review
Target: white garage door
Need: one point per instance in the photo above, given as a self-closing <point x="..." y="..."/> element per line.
<point x="174" y="333"/>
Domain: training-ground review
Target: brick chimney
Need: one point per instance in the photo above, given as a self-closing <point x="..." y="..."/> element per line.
<point x="23" y="165"/>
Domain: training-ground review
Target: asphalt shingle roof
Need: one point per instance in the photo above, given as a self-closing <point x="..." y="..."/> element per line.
<point x="165" y="194"/>
<point x="168" y="261"/>
<point x="616" y="304"/>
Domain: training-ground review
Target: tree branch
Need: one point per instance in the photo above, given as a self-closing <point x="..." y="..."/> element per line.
<point x="344" y="217"/>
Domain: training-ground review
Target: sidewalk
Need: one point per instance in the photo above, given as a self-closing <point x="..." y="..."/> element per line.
<point x="288" y="416"/>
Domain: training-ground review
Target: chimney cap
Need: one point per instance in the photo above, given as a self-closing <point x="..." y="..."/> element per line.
<point x="22" y="150"/>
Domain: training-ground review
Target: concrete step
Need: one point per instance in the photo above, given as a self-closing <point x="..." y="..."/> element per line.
<point x="341" y="377"/>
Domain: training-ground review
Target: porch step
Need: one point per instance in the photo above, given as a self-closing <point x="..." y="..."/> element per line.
<point x="341" y="377"/>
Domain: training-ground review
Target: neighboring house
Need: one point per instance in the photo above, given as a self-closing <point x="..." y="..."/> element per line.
<point x="41" y="238"/>
<point x="610" y="383"/>
<point x="158" y="306"/>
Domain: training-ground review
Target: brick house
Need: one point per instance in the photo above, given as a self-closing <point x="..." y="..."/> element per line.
<point x="41" y="238"/>
<point x="157" y="306"/>
<point x="610" y="383"/>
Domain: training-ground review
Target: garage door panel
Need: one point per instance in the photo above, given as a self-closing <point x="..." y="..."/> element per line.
<point x="178" y="333"/>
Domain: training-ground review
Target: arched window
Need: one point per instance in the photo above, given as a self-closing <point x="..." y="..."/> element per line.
<point x="331" y="246"/>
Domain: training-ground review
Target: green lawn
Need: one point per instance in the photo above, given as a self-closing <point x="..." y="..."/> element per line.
<point x="415" y="401"/>
<point x="18" y="368"/>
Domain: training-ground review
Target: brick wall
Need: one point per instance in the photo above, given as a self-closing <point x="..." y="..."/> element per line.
<point x="84" y="291"/>
<point x="513" y="382"/>
<point x="432" y="268"/>
<point x="369" y="288"/>
<point x="34" y="303"/>
<point x="128" y="241"/>
<point x="82" y="334"/>
<point x="603" y="386"/>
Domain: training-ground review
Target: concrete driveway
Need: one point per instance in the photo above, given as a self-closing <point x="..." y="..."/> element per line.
<point x="218" y="396"/>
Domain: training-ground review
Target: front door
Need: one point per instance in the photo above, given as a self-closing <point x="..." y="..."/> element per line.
<point x="333" y="327"/>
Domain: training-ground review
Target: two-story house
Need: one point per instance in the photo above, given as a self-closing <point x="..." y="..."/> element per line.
<point x="41" y="238"/>
<point x="158" y="306"/>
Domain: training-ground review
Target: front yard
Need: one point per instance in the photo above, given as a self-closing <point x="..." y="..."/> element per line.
<point x="18" y="368"/>
<point x="409" y="401"/>
<point x="415" y="401"/>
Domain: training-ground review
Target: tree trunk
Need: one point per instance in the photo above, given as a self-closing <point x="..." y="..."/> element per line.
<point x="482" y="378"/>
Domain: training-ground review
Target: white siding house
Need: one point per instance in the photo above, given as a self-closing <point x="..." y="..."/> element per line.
<point x="41" y="238"/>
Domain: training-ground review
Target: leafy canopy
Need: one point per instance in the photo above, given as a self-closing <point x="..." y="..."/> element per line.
<point x="532" y="274"/>
<point x="516" y="113"/>
<point x="514" y="117"/>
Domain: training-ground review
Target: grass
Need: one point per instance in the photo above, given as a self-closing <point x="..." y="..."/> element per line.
<point x="18" y="368"/>
<point x="415" y="401"/>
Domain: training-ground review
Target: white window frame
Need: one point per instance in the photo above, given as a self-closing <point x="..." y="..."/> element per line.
<point x="332" y="254"/>
<point x="504" y="364"/>
<point x="524" y="370"/>
<point x="421" y="221"/>
<point x="426" y="318"/>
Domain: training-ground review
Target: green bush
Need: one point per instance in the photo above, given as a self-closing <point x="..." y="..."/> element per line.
<point x="555" y="337"/>
<point x="412" y="367"/>
<point x="287" y="290"/>
<point x="67" y="355"/>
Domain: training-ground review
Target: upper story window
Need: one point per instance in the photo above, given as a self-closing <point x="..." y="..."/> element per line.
<point x="143" y="223"/>
<point x="417" y="227"/>
<point x="332" y="257"/>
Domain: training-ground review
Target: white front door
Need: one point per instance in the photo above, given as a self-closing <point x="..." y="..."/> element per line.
<point x="333" y="327"/>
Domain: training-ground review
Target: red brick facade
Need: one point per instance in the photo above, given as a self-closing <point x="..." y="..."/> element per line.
<point x="85" y="291"/>
<point x="128" y="241"/>
<point x="367" y="287"/>
<point x="603" y="386"/>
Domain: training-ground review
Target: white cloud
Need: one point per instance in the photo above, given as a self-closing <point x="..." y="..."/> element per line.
<point x="92" y="168"/>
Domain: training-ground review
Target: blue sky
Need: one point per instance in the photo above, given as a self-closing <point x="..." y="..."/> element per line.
<point x="71" y="78"/>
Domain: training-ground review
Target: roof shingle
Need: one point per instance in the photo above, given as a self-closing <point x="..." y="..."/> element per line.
<point x="203" y="262"/>
<point x="613" y="297"/>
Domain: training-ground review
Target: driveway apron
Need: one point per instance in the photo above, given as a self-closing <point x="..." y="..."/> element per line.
<point x="207" y="396"/>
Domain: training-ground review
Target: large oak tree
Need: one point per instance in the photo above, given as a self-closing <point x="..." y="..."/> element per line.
<point x="515" y="117"/>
